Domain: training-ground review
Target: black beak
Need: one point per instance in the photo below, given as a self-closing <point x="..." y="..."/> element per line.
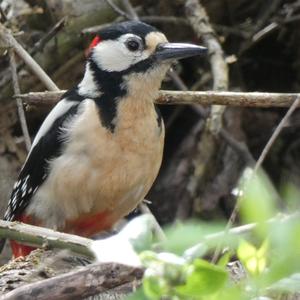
<point x="172" y="51"/>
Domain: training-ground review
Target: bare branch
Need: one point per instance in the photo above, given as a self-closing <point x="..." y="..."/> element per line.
<point x="240" y="147"/>
<point x="129" y="8"/>
<point x="276" y="133"/>
<point x="10" y="42"/>
<point x="199" y="21"/>
<point x="16" y="86"/>
<point x="38" y="46"/>
<point x="176" y="21"/>
<point x="211" y="240"/>
<point x="117" y="9"/>
<point x="237" y="99"/>
<point x="39" y="236"/>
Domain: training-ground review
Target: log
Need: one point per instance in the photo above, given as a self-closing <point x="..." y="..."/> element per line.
<point x="89" y="281"/>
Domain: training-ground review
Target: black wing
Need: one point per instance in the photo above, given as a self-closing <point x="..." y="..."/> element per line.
<point x="48" y="146"/>
<point x="35" y="169"/>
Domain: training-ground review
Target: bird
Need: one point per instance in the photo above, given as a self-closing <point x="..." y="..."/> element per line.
<point x="99" y="150"/>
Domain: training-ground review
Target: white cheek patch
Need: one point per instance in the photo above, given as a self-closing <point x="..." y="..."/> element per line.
<point x="112" y="55"/>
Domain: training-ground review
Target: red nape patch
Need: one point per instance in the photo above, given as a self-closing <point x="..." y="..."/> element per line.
<point x="89" y="225"/>
<point x="93" y="44"/>
<point x="17" y="248"/>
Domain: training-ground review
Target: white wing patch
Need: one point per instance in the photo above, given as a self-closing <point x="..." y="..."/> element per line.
<point x="61" y="108"/>
<point x="20" y="191"/>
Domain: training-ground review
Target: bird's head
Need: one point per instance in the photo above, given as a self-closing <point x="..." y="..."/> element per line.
<point x="137" y="52"/>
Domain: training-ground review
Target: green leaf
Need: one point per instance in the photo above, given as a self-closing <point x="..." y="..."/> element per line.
<point x="224" y="259"/>
<point x="154" y="287"/>
<point x="284" y="251"/>
<point x="257" y="204"/>
<point x="183" y="236"/>
<point x="290" y="194"/>
<point x="138" y="295"/>
<point x="230" y="292"/>
<point x="288" y="285"/>
<point x="245" y="250"/>
<point x="262" y="251"/>
<point x="253" y="259"/>
<point x="203" y="279"/>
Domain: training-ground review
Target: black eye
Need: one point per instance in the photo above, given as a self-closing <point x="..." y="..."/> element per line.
<point x="133" y="45"/>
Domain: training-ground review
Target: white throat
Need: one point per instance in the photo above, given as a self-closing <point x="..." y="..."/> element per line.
<point x="88" y="86"/>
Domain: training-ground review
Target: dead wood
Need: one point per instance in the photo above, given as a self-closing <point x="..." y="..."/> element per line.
<point x="88" y="281"/>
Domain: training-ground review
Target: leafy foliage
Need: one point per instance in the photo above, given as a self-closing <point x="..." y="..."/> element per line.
<point x="269" y="253"/>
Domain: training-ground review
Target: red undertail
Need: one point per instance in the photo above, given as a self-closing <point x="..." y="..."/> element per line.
<point x="17" y="248"/>
<point x="83" y="226"/>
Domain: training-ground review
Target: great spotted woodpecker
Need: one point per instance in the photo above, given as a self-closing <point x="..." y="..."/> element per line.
<point x="99" y="150"/>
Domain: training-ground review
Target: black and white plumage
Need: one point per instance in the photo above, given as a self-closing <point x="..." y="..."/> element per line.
<point x="99" y="150"/>
<point x="45" y="147"/>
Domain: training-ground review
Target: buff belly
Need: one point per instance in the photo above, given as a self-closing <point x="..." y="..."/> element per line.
<point x="101" y="183"/>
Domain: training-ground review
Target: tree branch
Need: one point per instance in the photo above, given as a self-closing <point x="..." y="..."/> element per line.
<point x="117" y="10"/>
<point x="239" y="99"/>
<point x="199" y="21"/>
<point x="17" y="90"/>
<point x="276" y="133"/>
<point x="39" y="236"/>
<point x="129" y="8"/>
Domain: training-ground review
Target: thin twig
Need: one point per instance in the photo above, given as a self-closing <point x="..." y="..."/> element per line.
<point x="117" y="9"/>
<point x="11" y="42"/>
<point x="235" y="99"/>
<point x="210" y="240"/>
<point x="38" y="46"/>
<point x="177" y="80"/>
<point x="240" y="147"/>
<point x="261" y="159"/>
<point x="176" y="21"/>
<point x="20" y="107"/>
<point x="266" y="14"/>
<point x="276" y="133"/>
<point x="183" y="87"/>
<point x="129" y="8"/>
